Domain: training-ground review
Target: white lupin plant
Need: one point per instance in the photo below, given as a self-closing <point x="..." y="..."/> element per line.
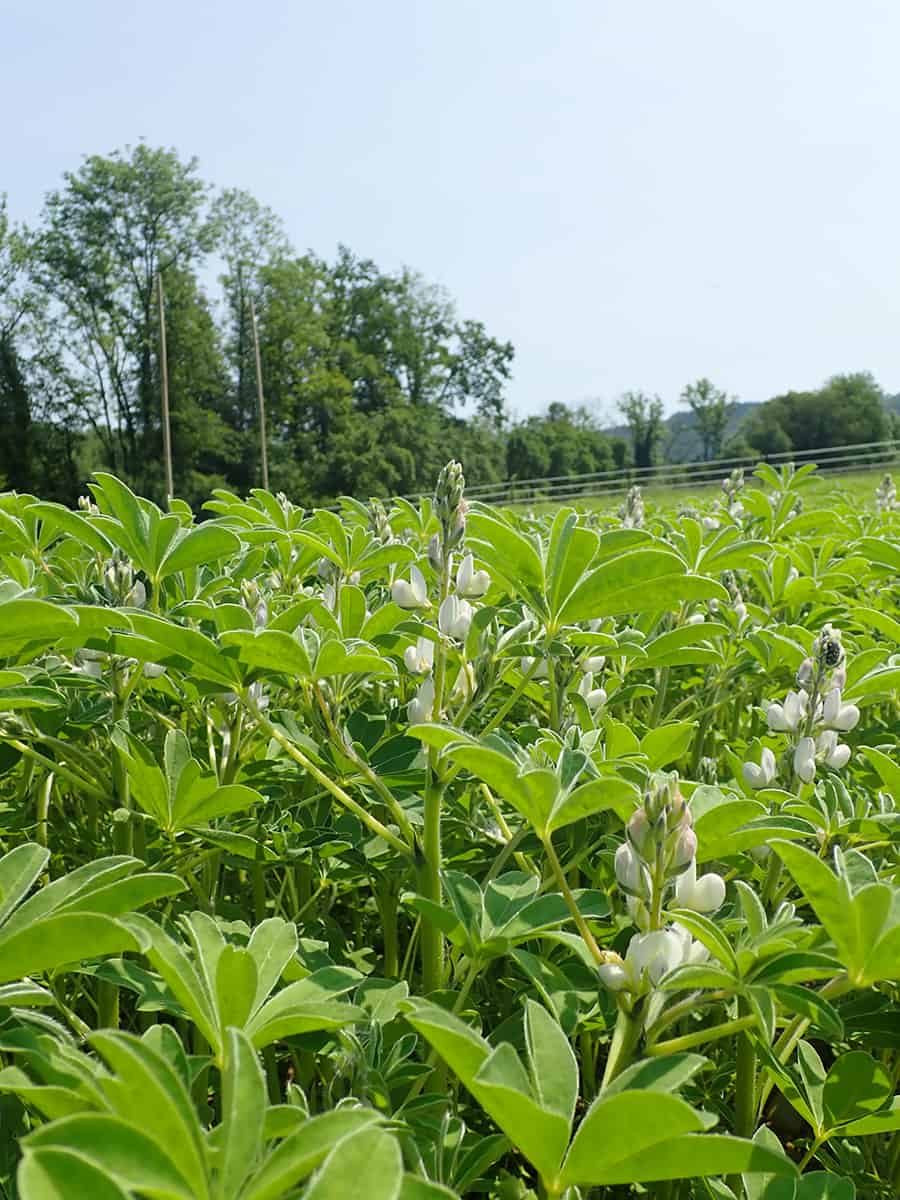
<point x="658" y="859"/>
<point x="812" y="716"/>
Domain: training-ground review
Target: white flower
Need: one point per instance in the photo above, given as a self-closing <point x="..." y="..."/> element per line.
<point x="470" y="582"/>
<point x="684" y="849"/>
<point x="710" y="523"/>
<point x="695" y="619"/>
<point x="419" y="659"/>
<point x="785" y="718"/>
<point x="411" y="594"/>
<point x="761" y="776"/>
<point x="419" y="709"/>
<point x="650" y="957"/>
<point x="805" y="759"/>
<point x="464" y="687"/>
<point x="703" y="895"/>
<point x="593" y="663"/>
<point x="631" y="873"/>
<point x="455" y="617"/>
<point x="837" y="715"/>
<point x="593" y="697"/>
<point x="153" y="670"/>
<point x="137" y="596"/>
<point x="832" y="753"/>
<point x="526" y="664"/>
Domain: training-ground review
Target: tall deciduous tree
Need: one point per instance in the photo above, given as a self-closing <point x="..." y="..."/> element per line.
<point x="643" y="415"/>
<point x="117" y="223"/>
<point x="711" y="408"/>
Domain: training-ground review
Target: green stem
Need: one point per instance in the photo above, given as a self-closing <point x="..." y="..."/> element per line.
<point x="744" y="1093"/>
<point x="371" y="823"/>
<point x="624" y="1042"/>
<point x="589" y="940"/>
<point x="432" y="945"/>
<point x="700" y="1038"/>
<point x="60" y="768"/>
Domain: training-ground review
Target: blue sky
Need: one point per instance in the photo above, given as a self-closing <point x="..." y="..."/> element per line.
<point x="635" y="194"/>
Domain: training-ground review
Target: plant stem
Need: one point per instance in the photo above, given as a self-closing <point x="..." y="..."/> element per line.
<point x="432" y="939"/>
<point x="744" y="1093"/>
<point x="689" y="1040"/>
<point x="589" y="940"/>
<point x="372" y="823"/>
<point x="624" y="1042"/>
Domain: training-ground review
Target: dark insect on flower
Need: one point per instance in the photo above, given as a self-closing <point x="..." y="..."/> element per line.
<point x="832" y="652"/>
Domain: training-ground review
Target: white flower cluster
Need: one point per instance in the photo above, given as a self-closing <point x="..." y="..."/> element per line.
<point x="454" y="619"/>
<point x="886" y="496"/>
<point x="659" y="855"/>
<point x="813" y="716"/>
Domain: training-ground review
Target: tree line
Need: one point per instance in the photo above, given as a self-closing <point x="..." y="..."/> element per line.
<point x="371" y="377"/>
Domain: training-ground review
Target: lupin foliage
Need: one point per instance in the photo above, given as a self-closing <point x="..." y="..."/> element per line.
<point x="420" y="852"/>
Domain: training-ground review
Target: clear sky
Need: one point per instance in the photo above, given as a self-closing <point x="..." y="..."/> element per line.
<point x="634" y="192"/>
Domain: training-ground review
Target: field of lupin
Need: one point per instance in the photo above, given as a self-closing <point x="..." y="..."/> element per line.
<point x="420" y="851"/>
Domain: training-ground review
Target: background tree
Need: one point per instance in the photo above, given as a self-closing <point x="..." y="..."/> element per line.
<point x="711" y="408"/>
<point x="561" y="441"/>
<point x="846" y="411"/>
<point x="643" y="415"/>
<point x="248" y="238"/>
<point x="115" y="224"/>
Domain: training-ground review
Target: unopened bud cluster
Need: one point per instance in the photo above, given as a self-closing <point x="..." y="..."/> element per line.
<point x="455" y="612"/>
<point x="631" y="514"/>
<point x="886" y="496"/>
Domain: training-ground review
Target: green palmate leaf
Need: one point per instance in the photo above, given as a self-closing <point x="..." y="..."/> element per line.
<point x="503" y="1089"/>
<point x="60" y="1174"/>
<point x="160" y="639"/>
<point x="657" y="1074"/>
<point x="147" y="1091"/>
<point x="621" y="1126"/>
<point x="822" y="1185"/>
<point x="884" y="1121"/>
<point x="510" y="556"/>
<point x="125" y="1153"/>
<point x="697" y="1155"/>
<point x="236" y="984"/>
<point x="243" y="1111"/>
<point x="305" y="1149"/>
<point x="667" y="743"/>
<point x="204" y="544"/>
<point x="888" y="770"/>
<point x="641" y="580"/>
<point x="270" y="650"/>
<point x="371" y="1155"/>
<point x="14" y="699"/>
<point x="19" y="871"/>
<point x="60" y="941"/>
<point x="553" y="1066"/>
<point x="810" y="1004"/>
<point x="828" y="894"/>
<point x="856" y="1086"/>
<point x="132" y="525"/>
<point x="25" y="622"/>
<point x="707" y="932"/>
<point x="85" y="533"/>
<point x="686" y="645"/>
